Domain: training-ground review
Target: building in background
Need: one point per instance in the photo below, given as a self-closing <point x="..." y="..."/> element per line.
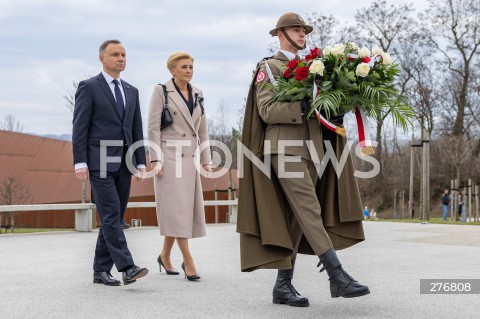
<point x="39" y="170"/>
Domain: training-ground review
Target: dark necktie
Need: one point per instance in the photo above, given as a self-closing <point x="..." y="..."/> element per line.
<point x="119" y="99"/>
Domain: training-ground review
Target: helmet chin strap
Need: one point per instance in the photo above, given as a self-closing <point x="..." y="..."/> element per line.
<point x="293" y="42"/>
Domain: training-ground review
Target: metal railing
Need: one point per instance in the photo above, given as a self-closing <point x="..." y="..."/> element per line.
<point x="83" y="212"/>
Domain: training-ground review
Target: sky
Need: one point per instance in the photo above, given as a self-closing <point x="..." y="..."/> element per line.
<point x="46" y="45"/>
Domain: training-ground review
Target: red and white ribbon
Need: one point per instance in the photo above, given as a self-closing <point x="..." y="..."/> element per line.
<point x="363" y="132"/>
<point x="364" y="138"/>
<point x="366" y="144"/>
<point x="337" y="129"/>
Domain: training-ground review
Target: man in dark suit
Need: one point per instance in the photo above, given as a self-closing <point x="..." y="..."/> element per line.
<point x="106" y="122"/>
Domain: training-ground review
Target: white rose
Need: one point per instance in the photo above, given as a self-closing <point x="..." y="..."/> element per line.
<point x="328" y="50"/>
<point x="377" y="51"/>
<point x="363" y="52"/>
<point x="317" y="67"/>
<point x="362" y="70"/>
<point x="339" y="49"/>
<point x="387" y="59"/>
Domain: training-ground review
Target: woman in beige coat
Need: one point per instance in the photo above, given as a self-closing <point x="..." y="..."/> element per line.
<point x="184" y="152"/>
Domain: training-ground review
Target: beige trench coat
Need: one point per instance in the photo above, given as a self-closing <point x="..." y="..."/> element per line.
<point x="178" y="193"/>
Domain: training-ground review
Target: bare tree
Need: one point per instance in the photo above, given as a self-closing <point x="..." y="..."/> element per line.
<point x="458" y="150"/>
<point x="237" y="135"/>
<point x="383" y="26"/>
<point x="419" y="80"/>
<point x="473" y="108"/>
<point x="273" y="47"/>
<point x="12" y="191"/>
<point x="70" y="97"/>
<point x="324" y="30"/>
<point x="10" y="124"/>
<point x="454" y="31"/>
<point x="217" y="127"/>
<point x="218" y="131"/>
<point x="451" y="104"/>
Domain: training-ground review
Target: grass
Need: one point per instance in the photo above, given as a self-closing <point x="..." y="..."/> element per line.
<point x="432" y="220"/>
<point x="22" y="230"/>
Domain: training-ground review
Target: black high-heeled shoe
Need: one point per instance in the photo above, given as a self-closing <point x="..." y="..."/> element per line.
<point x="192" y="277"/>
<point x="160" y="265"/>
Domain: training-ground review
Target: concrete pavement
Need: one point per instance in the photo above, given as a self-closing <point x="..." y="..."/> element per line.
<point x="48" y="275"/>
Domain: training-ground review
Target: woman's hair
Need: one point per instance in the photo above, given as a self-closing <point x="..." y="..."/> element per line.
<point x="175" y="56"/>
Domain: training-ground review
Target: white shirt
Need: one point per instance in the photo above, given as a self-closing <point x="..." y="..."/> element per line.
<point x="109" y="80"/>
<point x="288" y="54"/>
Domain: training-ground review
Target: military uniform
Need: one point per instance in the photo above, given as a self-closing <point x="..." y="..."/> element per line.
<point x="280" y="216"/>
<point x="285" y="122"/>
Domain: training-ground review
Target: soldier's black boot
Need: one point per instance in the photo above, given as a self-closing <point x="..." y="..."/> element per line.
<point x="341" y="283"/>
<point x="285" y="293"/>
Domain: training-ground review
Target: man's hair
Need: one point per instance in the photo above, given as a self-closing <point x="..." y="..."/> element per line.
<point x="175" y="56"/>
<point x="106" y="43"/>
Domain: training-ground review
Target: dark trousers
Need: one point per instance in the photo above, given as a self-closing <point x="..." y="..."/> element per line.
<point x="111" y="197"/>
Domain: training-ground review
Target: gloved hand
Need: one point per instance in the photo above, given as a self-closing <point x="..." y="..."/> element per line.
<point x="337" y="119"/>
<point x="305" y="103"/>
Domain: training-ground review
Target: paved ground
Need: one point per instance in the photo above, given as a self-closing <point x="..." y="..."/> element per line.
<point x="49" y="276"/>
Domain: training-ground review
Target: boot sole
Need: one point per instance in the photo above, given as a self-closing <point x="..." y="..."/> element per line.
<point x="336" y="294"/>
<point x="100" y="281"/>
<point x="283" y="302"/>
<point x="141" y="274"/>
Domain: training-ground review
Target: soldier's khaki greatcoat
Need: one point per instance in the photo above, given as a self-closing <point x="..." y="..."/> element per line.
<point x="263" y="210"/>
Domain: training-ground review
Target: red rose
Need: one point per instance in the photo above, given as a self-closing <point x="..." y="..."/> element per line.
<point x="292" y="64"/>
<point x="301" y="74"/>
<point x="287" y="73"/>
<point x="314" y="53"/>
<point x="351" y="59"/>
<point x="366" y="59"/>
<point x="308" y="57"/>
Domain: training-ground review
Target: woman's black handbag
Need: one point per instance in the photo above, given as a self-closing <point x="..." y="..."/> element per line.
<point x="166" y="116"/>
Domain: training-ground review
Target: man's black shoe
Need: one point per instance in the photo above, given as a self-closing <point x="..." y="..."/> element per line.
<point x="125" y="225"/>
<point x="131" y="275"/>
<point x="105" y="277"/>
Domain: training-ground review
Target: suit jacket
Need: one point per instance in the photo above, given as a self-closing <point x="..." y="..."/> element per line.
<point x="180" y="208"/>
<point x="96" y="118"/>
